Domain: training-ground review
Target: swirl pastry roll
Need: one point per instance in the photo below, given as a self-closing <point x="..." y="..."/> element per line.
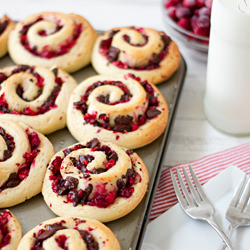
<point x="24" y="156"/>
<point x="10" y="231"/>
<point x="6" y="26"/>
<point x="96" y="180"/>
<point x="145" y="52"/>
<point x="53" y="38"/>
<point x="35" y="95"/>
<point x="71" y="233"/>
<point x="124" y="110"/>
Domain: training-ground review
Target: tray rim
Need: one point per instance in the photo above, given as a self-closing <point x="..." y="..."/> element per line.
<point x="160" y="161"/>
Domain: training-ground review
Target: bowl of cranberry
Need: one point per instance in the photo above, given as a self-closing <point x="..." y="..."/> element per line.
<point x="189" y="21"/>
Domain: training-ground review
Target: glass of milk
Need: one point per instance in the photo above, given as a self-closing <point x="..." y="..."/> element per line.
<point x="227" y="95"/>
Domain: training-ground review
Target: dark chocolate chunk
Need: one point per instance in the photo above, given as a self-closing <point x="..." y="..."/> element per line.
<point x="153" y="112"/>
<point x="113" y="54"/>
<point x="71" y="182"/>
<point x="93" y="143"/>
<point x="103" y="99"/>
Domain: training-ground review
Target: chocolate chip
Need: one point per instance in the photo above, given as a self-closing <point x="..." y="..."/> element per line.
<point x="155" y="58"/>
<point x="153" y="112"/>
<point x="6" y="154"/>
<point x="130" y="172"/>
<point x="62" y="190"/>
<point x="89" y="189"/>
<point x="103" y="99"/>
<point x="74" y="197"/>
<point x="13" y="180"/>
<point x="20" y="68"/>
<point x="113" y="156"/>
<point x="113" y="54"/>
<point x="81" y="105"/>
<point x="3" y="77"/>
<point x="98" y="170"/>
<point x="55" y="71"/>
<point x="71" y="182"/>
<point x="123" y="123"/>
<point x="126" y="120"/>
<point x="55" y="226"/>
<point x="166" y="40"/>
<point x="67" y="151"/>
<point x="120" y="184"/>
<point x="3" y="26"/>
<point x="93" y="143"/>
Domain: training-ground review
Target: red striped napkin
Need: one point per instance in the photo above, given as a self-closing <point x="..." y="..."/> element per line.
<point x="205" y="169"/>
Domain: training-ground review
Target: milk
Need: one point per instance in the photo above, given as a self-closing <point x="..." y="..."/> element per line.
<point x="227" y="96"/>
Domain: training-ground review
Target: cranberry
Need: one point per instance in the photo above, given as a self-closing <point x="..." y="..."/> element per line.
<point x="204" y="11"/>
<point x="171" y="12"/>
<point x="182" y="12"/>
<point x="201" y="25"/>
<point x="200" y="3"/>
<point x="208" y="4"/>
<point x="184" y="23"/>
<point x="191" y="4"/>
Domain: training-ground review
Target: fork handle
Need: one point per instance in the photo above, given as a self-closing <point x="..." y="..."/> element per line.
<point x="224" y="237"/>
<point x="231" y="228"/>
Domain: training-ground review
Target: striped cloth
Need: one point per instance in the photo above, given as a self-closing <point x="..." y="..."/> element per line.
<point x="205" y="169"/>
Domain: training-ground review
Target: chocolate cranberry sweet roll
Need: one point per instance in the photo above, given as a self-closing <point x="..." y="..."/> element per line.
<point x="24" y="156"/>
<point x="145" y="52"/>
<point x="35" y="95"/>
<point x="124" y="110"/>
<point x="95" y="179"/>
<point x="53" y="38"/>
<point x="6" y="26"/>
<point x="71" y="233"/>
<point x="10" y="231"/>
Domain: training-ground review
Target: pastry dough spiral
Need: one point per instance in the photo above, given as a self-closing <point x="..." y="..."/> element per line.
<point x="6" y="26"/>
<point x="145" y="52"/>
<point x="70" y="233"/>
<point x="10" y="231"/>
<point x="24" y="156"/>
<point x="53" y="38"/>
<point x="96" y="180"/>
<point x="124" y="110"/>
<point x="35" y="95"/>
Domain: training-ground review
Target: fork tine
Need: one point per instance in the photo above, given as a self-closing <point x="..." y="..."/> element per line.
<point x="182" y="201"/>
<point x="191" y="187"/>
<point x="184" y="189"/>
<point x="238" y="192"/>
<point x="198" y="185"/>
<point x="245" y="196"/>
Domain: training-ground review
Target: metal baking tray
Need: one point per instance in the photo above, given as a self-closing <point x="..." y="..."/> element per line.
<point x="130" y="229"/>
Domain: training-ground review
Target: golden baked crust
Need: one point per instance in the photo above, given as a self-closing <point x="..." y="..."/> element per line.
<point x="100" y="181"/>
<point x="25" y="154"/>
<point x="144" y="52"/>
<point x="53" y="38"/>
<point x="8" y="25"/>
<point x="10" y="231"/>
<point x="71" y="232"/>
<point x="122" y="109"/>
<point x="35" y="95"/>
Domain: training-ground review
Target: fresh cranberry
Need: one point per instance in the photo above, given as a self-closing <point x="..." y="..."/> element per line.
<point x="201" y="26"/>
<point x="204" y="11"/>
<point x="182" y="12"/>
<point x="208" y="3"/>
<point x="184" y="23"/>
<point x="200" y="3"/>
<point x="171" y="11"/>
<point x="190" y="4"/>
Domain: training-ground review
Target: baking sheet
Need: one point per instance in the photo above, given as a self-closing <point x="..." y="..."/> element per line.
<point x="130" y="229"/>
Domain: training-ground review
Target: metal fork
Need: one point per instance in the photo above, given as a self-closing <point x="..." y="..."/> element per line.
<point x="196" y="204"/>
<point x="238" y="212"/>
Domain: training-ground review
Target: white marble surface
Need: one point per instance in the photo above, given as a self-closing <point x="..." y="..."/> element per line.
<point x="192" y="136"/>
